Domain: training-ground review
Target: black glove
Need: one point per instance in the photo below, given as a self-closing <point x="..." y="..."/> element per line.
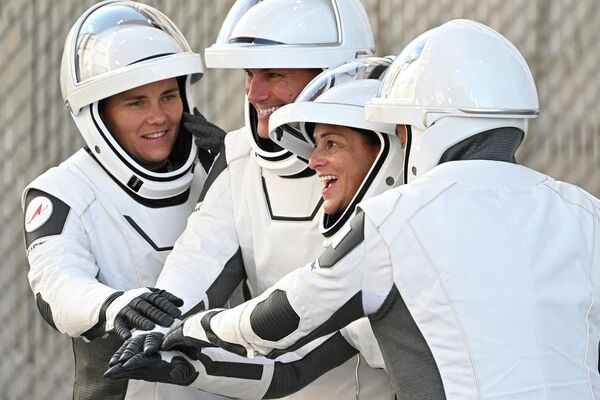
<point x="145" y="343"/>
<point x="191" y="347"/>
<point x="178" y="370"/>
<point x="142" y="312"/>
<point x="208" y="136"/>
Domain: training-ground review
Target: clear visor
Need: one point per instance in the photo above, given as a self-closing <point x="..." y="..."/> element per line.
<point x="395" y="101"/>
<point x="364" y="68"/>
<point x="407" y="58"/>
<point x="269" y="24"/>
<point x="113" y="36"/>
<point x="297" y="136"/>
<point x="240" y="8"/>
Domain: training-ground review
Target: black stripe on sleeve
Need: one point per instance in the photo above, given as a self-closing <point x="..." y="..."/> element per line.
<point x="352" y="239"/>
<point x="214" y="339"/>
<point x="218" y="166"/>
<point x="224" y="285"/>
<point x="290" y="377"/>
<point x="274" y="318"/>
<point x="231" y="369"/>
<point x="352" y="310"/>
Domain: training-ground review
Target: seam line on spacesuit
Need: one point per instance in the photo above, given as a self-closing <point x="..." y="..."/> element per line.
<point x="145" y="236"/>
<point x="282" y="218"/>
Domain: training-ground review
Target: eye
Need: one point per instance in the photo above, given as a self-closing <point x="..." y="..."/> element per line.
<point x="135" y="103"/>
<point x="274" y="75"/>
<point x="171" y="96"/>
<point x="331" y="144"/>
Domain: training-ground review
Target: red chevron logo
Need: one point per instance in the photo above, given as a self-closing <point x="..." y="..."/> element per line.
<point x="37" y="212"/>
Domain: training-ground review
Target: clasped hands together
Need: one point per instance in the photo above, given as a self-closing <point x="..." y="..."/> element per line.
<point x="164" y="354"/>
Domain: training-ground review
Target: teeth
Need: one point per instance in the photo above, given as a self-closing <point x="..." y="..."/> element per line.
<point x="327" y="178"/>
<point x="155" y="135"/>
<point x="267" y="111"/>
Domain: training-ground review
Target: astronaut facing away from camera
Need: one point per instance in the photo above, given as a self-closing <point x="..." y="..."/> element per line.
<point x="99" y="226"/>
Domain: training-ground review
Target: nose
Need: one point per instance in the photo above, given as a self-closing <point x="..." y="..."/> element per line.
<point x="156" y="115"/>
<point x="257" y="89"/>
<point x="316" y="160"/>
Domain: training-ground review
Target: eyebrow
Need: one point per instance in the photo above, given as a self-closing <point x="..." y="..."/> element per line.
<point x="325" y="135"/>
<point x="168" y="91"/>
<point x="173" y="89"/>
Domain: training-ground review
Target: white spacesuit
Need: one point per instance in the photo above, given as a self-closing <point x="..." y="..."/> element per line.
<point x="259" y="215"/>
<point x="479" y="276"/>
<point x="336" y="96"/>
<point x="99" y="227"/>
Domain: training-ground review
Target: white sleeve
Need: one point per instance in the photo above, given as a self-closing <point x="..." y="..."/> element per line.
<point x="205" y="265"/>
<point x="318" y="299"/>
<point x="63" y="273"/>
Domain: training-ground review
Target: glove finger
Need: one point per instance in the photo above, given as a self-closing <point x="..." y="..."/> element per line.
<point x="153" y="342"/>
<point x="121" y="328"/>
<point x="182" y="371"/>
<point x="140" y="361"/>
<point x="135" y="346"/>
<point x="142" y="315"/>
<point x="173" y="339"/>
<point x="168" y="295"/>
<point x="172" y="298"/>
<point x="115" y="372"/>
<point x="165" y="301"/>
<point x="114" y="360"/>
<point x="206" y="130"/>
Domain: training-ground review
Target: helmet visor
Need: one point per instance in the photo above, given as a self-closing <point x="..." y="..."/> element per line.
<point x="295" y="136"/>
<point x="113" y="36"/>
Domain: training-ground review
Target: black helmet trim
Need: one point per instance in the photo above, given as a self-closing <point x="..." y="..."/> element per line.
<point x="151" y="203"/>
<point x="133" y="168"/>
<point x="332" y="223"/>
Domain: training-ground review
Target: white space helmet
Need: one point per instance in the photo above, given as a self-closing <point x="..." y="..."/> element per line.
<point x="452" y="82"/>
<point x="113" y="47"/>
<point x="289" y="34"/>
<point x="337" y="96"/>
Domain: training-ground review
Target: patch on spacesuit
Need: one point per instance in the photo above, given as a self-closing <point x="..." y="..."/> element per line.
<point x="37" y="213"/>
<point x="45" y="215"/>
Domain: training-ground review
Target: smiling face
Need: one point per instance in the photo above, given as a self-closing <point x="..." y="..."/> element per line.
<point x="145" y="121"/>
<point x="269" y="89"/>
<point x="342" y="158"/>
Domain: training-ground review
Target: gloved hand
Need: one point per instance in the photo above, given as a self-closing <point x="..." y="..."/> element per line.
<point x="191" y="346"/>
<point x="147" y="343"/>
<point x="208" y="136"/>
<point x="217" y="371"/>
<point x="158" y="367"/>
<point x="141" y="309"/>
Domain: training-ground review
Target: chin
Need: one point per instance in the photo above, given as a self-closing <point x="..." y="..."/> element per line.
<point x="330" y="209"/>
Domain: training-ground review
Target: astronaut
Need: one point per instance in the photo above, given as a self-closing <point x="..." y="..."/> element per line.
<point x="258" y="195"/>
<point x="99" y="226"/>
<point x="365" y="158"/>
<point x="479" y="275"/>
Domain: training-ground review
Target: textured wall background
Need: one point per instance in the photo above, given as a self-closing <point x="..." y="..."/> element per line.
<point x="559" y="39"/>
